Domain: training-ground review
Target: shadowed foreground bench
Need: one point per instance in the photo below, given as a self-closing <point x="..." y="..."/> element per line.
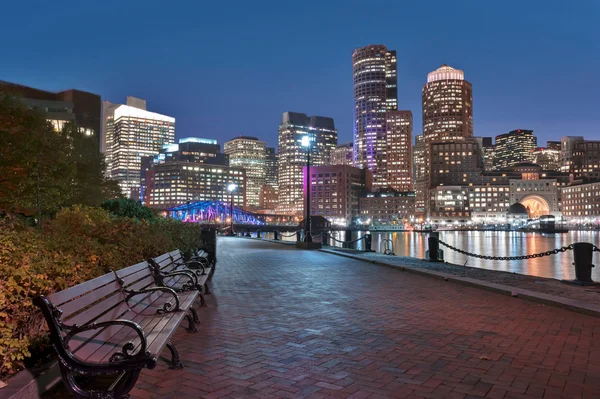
<point x="116" y="325"/>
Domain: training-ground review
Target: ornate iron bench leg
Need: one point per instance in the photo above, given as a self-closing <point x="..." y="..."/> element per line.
<point x="191" y="323"/>
<point x="202" y="300"/>
<point x="194" y="315"/>
<point x="175" y="363"/>
<point x="206" y="290"/>
<point x="119" y="389"/>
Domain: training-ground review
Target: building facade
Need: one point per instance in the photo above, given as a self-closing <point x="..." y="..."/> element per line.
<point x="399" y="125"/>
<point x="420" y="184"/>
<point x="548" y="158"/>
<point x="375" y="92"/>
<point x="131" y="133"/>
<point x="336" y="190"/>
<point x="581" y="202"/>
<point x="580" y="158"/>
<point x="249" y="153"/>
<point x="447" y="100"/>
<point x="80" y="107"/>
<point x="514" y="147"/>
<point x="387" y="207"/>
<point x="173" y="183"/>
<point x="342" y="154"/>
<point x="271" y="167"/>
<point x="292" y="157"/>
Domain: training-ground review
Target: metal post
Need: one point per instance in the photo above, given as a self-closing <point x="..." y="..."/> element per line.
<point x="347" y="237"/>
<point x="582" y="256"/>
<point x="368" y="240"/>
<point x="231" y="212"/>
<point x="307" y="235"/>
<point x="275" y="235"/>
<point x="434" y="246"/>
<point x="298" y="235"/>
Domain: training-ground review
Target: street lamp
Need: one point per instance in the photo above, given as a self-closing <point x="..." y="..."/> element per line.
<point x="305" y="142"/>
<point x="231" y="188"/>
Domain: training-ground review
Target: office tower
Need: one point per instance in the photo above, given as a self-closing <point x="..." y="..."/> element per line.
<point x="335" y="191"/>
<point x="548" y="158"/>
<point x="250" y="154"/>
<point x="77" y="106"/>
<point x="271" y="167"/>
<point x="553" y="145"/>
<point x="514" y="147"/>
<point x="193" y="149"/>
<point x="173" y="183"/>
<point x="292" y="156"/>
<point x="581" y="202"/>
<point x="580" y="158"/>
<point x="399" y="150"/>
<point x="342" y="154"/>
<point x="131" y="133"/>
<point x="375" y="92"/>
<point x="447" y="100"/>
<point x="489" y="152"/>
<point x="419" y="174"/>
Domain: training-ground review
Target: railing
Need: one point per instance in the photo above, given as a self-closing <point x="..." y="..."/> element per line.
<point x="582" y="256"/>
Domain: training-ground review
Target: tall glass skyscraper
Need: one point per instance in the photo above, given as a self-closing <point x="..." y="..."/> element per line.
<point x="375" y="92"/>
<point x="292" y="157"/>
<point x="130" y="132"/>
<point x="250" y="154"/>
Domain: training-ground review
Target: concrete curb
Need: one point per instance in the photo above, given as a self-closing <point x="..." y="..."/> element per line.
<point x="539" y="297"/>
<point x="25" y="386"/>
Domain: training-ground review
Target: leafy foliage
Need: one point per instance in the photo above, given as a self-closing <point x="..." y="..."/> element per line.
<point x="129" y="208"/>
<point x="79" y="244"/>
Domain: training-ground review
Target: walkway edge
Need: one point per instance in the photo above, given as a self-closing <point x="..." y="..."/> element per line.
<point x="552" y="300"/>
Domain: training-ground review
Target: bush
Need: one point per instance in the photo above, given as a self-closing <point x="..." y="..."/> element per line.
<point x="79" y="244"/>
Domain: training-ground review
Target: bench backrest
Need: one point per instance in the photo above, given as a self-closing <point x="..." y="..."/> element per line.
<point x="171" y="261"/>
<point x="100" y="297"/>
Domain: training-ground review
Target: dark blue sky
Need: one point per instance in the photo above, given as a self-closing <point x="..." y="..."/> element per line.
<point x="225" y="68"/>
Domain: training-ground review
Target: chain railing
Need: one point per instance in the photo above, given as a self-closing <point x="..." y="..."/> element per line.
<point x="582" y="256"/>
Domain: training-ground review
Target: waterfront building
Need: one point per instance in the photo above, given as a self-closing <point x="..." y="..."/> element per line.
<point x="269" y="197"/>
<point x="342" y="154"/>
<point x="488" y="204"/>
<point x="449" y="204"/>
<point x="292" y="156"/>
<point x="80" y="107"/>
<point x="174" y="183"/>
<point x="131" y="132"/>
<point x="580" y="157"/>
<point x="250" y="154"/>
<point x="581" y="202"/>
<point x="335" y="191"/>
<point x="538" y="196"/>
<point x="454" y="162"/>
<point x="514" y="147"/>
<point x="375" y="92"/>
<point x="271" y="167"/>
<point x="387" y="207"/>
<point x="399" y="150"/>
<point x="447" y="100"/>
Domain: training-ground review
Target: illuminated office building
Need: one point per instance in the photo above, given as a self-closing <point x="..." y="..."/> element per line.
<point x="292" y="156"/>
<point x="419" y="174"/>
<point x="581" y="202"/>
<point x="130" y="133"/>
<point x="387" y="207"/>
<point x="250" y="154"/>
<point x="375" y="92"/>
<point x="342" y="154"/>
<point x="271" y="167"/>
<point x="580" y="158"/>
<point x="399" y="150"/>
<point x="514" y="147"/>
<point x="548" y="158"/>
<point x="447" y="100"/>
<point x="173" y="183"/>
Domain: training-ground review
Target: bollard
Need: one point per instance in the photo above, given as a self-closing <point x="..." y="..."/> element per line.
<point x="582" y="256"/>
<point x="433" y="252"/>
<point x="248" y="234"/>
<point x="276" y="235"/>
<point x="298" y="236"/>
<point x="368" y="240"/>
<point x="347" y="237"/>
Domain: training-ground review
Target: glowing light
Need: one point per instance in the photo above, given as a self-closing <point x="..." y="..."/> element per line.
<point x="231" y="187"/>
<point x="305" y="141"/>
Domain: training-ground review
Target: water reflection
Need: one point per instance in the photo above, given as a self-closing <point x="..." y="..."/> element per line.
<point x="494" y="243"/>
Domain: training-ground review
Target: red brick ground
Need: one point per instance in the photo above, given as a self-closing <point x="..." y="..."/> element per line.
<point x="283" y="323"/>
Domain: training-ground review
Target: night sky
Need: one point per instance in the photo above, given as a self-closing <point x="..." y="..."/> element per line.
<point x="225" y="68"/>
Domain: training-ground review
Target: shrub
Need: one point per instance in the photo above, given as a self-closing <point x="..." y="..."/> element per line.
<point x="79" y="244"/>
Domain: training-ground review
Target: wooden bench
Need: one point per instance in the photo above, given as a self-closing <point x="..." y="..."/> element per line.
<point x="116" y="325"/>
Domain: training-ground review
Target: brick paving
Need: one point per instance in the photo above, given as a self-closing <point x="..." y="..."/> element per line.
<point x="285" y="323"/>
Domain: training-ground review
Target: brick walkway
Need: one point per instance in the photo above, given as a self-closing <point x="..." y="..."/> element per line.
<point x="284" y="323"/>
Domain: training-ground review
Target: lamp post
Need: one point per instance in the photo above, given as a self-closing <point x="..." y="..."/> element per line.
<point x="305" y="142"/>
<point x="231" y="188"/>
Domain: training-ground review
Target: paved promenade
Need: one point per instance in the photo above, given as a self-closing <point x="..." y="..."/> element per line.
<point x="285" y="323"/>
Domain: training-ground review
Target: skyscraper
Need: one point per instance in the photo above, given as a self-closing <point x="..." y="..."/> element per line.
<point x="447" y="100"/>
<point x="514" y="147"/>
<point x="375" y="92"/>
<point x="292" y="157"/>
<point x="399" y="150"/>
<point x="271" y="167"/>
<point x="130" y="132"/>
<point x="250" y="154"/>
<point x="342" y="154"/>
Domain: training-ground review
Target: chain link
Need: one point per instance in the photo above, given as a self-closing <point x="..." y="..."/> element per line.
<point x="521" y="257"/>
<point x="347" y="242"/>
<point x="596" y="249"/>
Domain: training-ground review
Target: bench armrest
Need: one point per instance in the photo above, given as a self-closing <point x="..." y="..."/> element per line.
<point x="193" y="265"/>
<point x="190" y="285"/>
<point x="167" y="306"/>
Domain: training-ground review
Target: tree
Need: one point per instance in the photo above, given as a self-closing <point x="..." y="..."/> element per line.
<point x="129" y="208"/>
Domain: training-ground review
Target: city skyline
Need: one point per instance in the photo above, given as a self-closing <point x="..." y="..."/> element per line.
<point x="509" y="71"/>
